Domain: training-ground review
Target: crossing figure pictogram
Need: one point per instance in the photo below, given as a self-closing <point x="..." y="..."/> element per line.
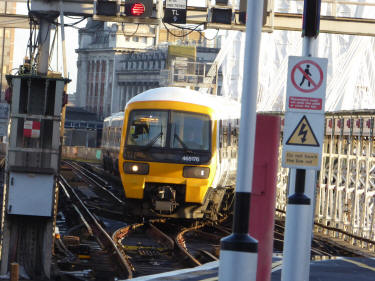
<point x="306" y="72"/>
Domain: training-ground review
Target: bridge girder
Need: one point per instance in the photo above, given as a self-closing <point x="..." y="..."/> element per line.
<point x="197" y="15"/>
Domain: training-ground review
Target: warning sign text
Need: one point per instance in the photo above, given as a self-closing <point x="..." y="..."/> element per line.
<point x="301" y="158"/>
<point x="305" y="103"/>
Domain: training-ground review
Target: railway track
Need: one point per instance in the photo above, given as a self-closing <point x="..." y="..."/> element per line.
<point x="155" y="246"/>
<point x="139" y="247"/>
<point x="92" y="212"/>
<point x="320" y="247"/>
<point x="335" y="240"/>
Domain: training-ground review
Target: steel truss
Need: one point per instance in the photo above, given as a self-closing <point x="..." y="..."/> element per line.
<point x="345" y="191"/>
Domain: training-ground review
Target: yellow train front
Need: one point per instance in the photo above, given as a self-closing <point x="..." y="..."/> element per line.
<point x="178" y="153"/>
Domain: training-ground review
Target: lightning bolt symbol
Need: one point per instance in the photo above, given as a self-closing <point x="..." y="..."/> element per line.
<point x="303" y="133"/>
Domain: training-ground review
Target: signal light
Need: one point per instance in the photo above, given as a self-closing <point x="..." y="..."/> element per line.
<point x="223" y="16"/>
<point x="138" y="8"/>
<point x="311" y="18"/>
<point x="106" y="8"/>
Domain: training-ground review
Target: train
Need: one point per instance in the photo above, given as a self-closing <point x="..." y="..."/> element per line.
<point x="175" y="150"/>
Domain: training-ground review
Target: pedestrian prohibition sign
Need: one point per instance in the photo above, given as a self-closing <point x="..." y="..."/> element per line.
<point x="306" y="84"/>
<point x="307" y="76"/>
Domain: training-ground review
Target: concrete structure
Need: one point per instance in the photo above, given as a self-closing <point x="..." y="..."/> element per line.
<point x="82" y="128"/>
<point x="117" y="61"/>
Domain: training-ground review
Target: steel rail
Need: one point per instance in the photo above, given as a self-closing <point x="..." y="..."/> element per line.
<point x="335" y="229"/>
<point x="103" y="238"/>
<point x="88" y="175"/>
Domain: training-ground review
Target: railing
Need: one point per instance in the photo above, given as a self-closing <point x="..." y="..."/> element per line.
<point x="346" y="188"/>
<point x="345" y="191"/>
<point x="82" y="153"/>
<point x="186" y="73"/>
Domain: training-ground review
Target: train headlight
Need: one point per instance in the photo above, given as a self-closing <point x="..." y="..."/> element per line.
<point x="196" y="172"/>
<point x="136" y="168"/>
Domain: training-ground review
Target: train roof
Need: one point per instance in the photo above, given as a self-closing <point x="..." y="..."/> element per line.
<point x="221" y="105"/>
<point x="118" y="116"/>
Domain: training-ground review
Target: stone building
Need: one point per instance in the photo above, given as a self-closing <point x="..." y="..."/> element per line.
<point x="138" y="72"/>
<point x="6" y="46"/>
<point x="117" y="61"/>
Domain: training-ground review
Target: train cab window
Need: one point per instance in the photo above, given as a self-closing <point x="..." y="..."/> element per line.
<point x="147" y="128"/>
<point x="190" y="131"/>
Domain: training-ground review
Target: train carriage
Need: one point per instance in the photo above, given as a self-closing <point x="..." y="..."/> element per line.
<point x="178" y="152"/>
<point x="111" y="138"/>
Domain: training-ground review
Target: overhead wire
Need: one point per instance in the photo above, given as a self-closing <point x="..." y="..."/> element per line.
<point x="190" y="29"/>
<point x="195" y="29"/>
<point x="123" y="30"/>
<point x="184" y="35"/>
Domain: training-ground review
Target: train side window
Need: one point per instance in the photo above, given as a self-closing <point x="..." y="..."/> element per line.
<point x="117" y="140"/>
<point x="225" y="133"/>
<point x="103" y="136"/>
<point x="229" y="133"/>
<point x="106" y="136"/>
<point x="220" y="133"/>
<point x="112" y="136"/>
<point x="235" y="135"/>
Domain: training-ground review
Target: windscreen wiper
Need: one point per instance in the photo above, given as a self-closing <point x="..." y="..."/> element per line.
<point x="184" y="146"/>
<point x="181" y="141"/>
<point x="152" y="142"/>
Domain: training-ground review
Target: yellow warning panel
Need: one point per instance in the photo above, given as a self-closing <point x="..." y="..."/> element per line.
<point x="301" y="158"/>
<point x="303" y="134"/>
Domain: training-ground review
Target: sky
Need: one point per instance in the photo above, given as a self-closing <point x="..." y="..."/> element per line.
<point x="71" y="34"/>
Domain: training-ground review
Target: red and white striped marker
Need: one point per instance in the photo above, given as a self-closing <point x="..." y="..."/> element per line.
<point x="31" y="129"/>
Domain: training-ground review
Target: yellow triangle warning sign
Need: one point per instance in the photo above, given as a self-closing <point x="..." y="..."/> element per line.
<point x="303" y="134"/>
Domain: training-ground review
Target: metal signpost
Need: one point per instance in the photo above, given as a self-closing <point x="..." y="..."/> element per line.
<point x="302" y="145"/>
<point x="239" y="251"/>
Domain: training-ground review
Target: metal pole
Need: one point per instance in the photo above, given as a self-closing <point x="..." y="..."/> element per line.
<point x="2" y="61"/>
<point x="44" y="39"/>
<point x="239" y="251"/>
<point x="300" y="209"/>
<point x="65" y="68"/>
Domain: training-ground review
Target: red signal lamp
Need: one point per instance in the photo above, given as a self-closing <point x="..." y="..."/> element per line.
<point x="137" y="9"/>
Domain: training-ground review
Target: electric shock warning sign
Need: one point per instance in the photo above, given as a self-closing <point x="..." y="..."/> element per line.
<point x="302" y="140"/>
<point x="303" y="134"/>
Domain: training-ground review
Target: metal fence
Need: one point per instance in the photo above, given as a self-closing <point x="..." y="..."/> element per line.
<point x="82" y="153"/>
